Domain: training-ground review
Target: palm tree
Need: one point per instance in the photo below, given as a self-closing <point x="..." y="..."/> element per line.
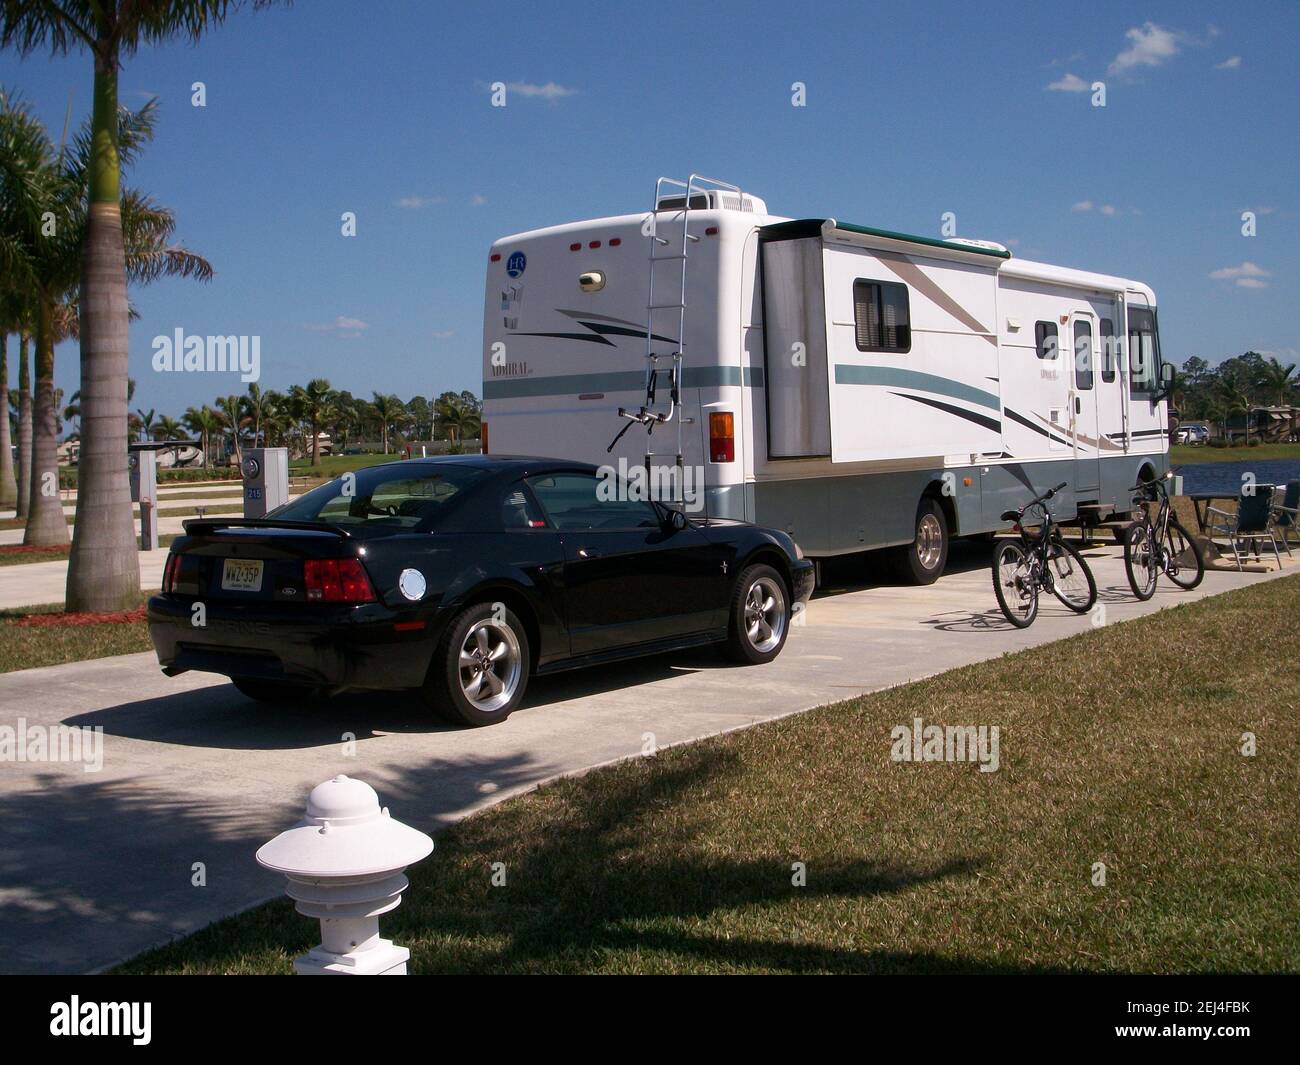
<point x="203" y="421"/>
<point x="146" y="423"/>
<point x="314" y="407"/>
<point x="390" y="412"/>
<point x="8" y="485"/>
<point x="458" y="418"/>
<point x="103" y="574"/>
<point x="1234" y="398"/>
<point x="167" y="429"/>
<point x="1278" y="380"/>
<point x="255" y="406"/>
<point x="230" y="415"/>
<point x="24" y="427"/>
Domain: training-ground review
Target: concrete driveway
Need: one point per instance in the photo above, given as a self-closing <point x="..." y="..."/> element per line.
<point x="96" y="867"/>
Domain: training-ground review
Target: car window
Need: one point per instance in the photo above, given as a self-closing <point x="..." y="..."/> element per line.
<point x="518" y="510"/>
<point x="582" y="501"/>
<point x="391" y="496"/>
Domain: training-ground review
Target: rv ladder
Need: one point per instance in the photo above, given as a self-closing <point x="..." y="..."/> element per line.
<point x="648" y="415"/>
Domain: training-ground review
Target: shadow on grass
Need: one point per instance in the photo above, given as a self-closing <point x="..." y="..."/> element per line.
<point x="617" y="871"/>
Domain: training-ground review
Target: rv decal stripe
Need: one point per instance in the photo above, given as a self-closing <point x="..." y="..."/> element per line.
<point x="891" y="377"/>
<point x="618" y="381"/>
<point x="927" y="286"/>
<point x="1038" y="429"/>
<point x="969" y="415"/>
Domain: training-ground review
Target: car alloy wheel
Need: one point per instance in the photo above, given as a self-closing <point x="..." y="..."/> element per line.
<point x="764" y="614"/>
<point x="490" y="665"/>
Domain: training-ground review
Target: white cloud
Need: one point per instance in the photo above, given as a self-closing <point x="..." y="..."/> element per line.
<point x="1246" y="269"/>
<point x="1069" y="83"/>
<point x="1231" y="63"/>
<point x="550" y="91"/>
<point x="1106" y="209"/>
<point x="1149" y="46"/>
<point x="1082" y="205"/>
<point x="477" y="200"/>
<point x="415" y="203"/>
<point x="444" y="334"/>
<point x="1247" y="275"/>
<point x="342" y="326"/>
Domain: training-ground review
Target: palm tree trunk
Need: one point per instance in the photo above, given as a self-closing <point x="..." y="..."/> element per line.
<point x="8" y="486"/>
<point x="24" y="429"/>
<point x="104" y="572"/>
<point x="45" y="522"/>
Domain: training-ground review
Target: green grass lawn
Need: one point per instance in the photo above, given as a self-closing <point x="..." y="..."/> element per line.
<point x="26" y="647"/>
<point x="1181" y="454"/>
<point x="1119" y="746"/>
<point x="333" y="465"/>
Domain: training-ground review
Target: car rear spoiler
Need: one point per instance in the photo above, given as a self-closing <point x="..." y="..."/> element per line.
<point x="203" y="526"/>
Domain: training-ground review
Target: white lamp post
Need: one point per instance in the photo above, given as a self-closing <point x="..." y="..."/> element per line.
<point x="345" y="863"/>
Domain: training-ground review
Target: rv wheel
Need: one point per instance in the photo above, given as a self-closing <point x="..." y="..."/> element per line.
<point x="922" y="561"/>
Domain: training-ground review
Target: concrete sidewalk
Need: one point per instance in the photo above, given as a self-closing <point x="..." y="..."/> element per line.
<point x="96" y="867"/>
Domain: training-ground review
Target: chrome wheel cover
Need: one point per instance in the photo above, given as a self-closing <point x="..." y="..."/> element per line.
<point x="491" y="665"/>
<point x="764" y="614"/>
<point x="929" y="541"/>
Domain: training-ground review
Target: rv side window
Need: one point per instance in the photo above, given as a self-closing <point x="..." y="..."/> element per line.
<point x="1082" y="354"/>
<point x="1109" y="356"/>
<point x="1045" y="339"/>
<point x="1144" y="351"/>
<point x="881" y="317"/>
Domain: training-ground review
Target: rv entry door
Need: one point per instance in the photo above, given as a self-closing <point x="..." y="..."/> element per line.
<point x="1083" y="404"/>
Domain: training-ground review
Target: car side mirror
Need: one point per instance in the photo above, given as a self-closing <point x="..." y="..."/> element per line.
<point x="674" y="520"/>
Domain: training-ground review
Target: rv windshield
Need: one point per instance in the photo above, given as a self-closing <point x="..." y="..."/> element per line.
<point x="1144" y="351"/>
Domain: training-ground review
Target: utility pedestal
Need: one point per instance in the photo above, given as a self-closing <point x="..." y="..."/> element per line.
<point x="143" y="466"/>
<point x="266" y="480"/>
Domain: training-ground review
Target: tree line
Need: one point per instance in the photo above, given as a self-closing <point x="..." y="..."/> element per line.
<point x="1215" y="394"/>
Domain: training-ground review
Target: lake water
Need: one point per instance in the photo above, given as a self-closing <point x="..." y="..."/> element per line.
<point x="1225" y="477"/>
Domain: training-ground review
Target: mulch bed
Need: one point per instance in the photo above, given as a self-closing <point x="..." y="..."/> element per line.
<point x="118" y="617"/>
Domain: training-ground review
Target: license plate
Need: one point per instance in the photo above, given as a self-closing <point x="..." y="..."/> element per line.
<point x="242" y="575"/>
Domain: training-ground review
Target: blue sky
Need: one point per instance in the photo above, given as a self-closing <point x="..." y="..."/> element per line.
<point x="912" y="110"/>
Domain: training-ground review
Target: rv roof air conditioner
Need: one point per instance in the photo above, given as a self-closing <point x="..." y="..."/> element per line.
<point x="987" y="245"/>
<point x="715" y="199"/>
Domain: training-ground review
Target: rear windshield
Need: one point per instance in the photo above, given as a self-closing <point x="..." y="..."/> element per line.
<point x="384" y="497"/>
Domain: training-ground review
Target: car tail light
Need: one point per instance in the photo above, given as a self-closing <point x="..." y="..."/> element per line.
<point x="337" y="580"/>
<point x="170" y="570"/>
<point x="482" y="436"/>
<point x="722" y="436"/>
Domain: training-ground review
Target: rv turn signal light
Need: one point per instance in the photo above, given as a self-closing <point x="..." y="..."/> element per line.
<point x="722" y="436"/>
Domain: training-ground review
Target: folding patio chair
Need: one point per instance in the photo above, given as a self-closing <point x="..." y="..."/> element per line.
<point x="1252" y="524"/>
<point x="1286" y="514"/>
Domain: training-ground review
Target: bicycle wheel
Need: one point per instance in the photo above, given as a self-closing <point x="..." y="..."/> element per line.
<point x="1184" y="561"/>
<point x="1140" y="560"/>
<point x="1072" y="581"/>
<point x="1014" y="585"/>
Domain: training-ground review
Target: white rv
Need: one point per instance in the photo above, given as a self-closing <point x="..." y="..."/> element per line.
<point x="857" y="387"/>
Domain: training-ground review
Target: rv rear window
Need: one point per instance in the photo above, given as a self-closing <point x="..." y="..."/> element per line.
<point x="1045" y="339"/>
<point x="881" y="317"/>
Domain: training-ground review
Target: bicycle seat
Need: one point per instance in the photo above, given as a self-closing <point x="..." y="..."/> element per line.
<point x="1011" y="515"/>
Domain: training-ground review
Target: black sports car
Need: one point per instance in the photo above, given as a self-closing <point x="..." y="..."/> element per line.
<point x="459" y="577"/>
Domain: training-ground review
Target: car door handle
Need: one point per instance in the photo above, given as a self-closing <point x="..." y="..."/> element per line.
<point x="1078" y="405"/>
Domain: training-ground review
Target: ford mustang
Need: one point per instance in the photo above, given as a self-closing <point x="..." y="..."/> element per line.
<point x="459" y="578"/>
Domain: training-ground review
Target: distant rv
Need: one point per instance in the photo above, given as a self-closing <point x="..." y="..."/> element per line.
<point x="858" y="387"/>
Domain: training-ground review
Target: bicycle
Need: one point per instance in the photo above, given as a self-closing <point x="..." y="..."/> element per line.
<point x="1151" y="547"/>
<point x="1023" y="566"/>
